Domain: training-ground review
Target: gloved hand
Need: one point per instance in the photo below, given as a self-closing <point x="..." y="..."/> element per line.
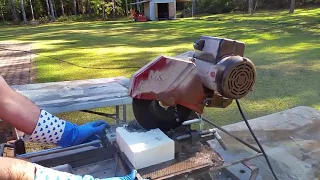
<point x="51" y="129"/>
<point x="74" y="134"/>
<point x="43" y="173"/>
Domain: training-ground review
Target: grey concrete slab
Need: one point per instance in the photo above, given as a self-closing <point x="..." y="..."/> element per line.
<point x="291" y="139"/>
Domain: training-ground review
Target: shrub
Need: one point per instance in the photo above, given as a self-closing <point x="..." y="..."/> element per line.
<point x="215" y="6"/>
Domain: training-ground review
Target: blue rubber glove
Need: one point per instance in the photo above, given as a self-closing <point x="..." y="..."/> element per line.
<point x="51" y="129"/>
<point x="43" y="173"/>
<point x="74" y="135"/>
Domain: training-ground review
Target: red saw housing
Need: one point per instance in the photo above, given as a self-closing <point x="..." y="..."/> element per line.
<point x="169" y="80"/>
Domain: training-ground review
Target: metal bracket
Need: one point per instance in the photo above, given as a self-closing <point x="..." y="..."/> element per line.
<point x="3" y="146"/>
<point x="254" y="170"/>
<point x="242" y="171"/>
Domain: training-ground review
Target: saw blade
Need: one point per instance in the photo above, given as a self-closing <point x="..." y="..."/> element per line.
<point x="151" y="115"/>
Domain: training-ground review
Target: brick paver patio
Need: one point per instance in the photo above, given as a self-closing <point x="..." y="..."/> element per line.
<point x="15" y="66"/>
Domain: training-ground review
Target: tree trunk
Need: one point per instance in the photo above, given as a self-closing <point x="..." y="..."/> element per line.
<point x="2" y="14"/>
<point x="62" y="8"/>
<point x="81" y="7"/>
<point x="53" y="18"/>
<point x="75" y="6"/>
<point x="292" y="4"/>
<point x="127" y="7"/>
<point x="194" y="7"/>
<point x="138" y="6"/>
<point x="23" y="12"/>
<point x="31" y="7"/>
<point x="54" y="7"/>
<point x="88" y="7"/>
<point x="250" y="7"/>
<point x="255" y="6"/>
<point x="113" y="9"/>
<point x="14" y="11"/>
<point x="48" y="10"/>
<point x="103" y="12"/>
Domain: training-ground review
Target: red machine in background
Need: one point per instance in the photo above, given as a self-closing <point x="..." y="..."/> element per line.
<point x="137" y="17"/>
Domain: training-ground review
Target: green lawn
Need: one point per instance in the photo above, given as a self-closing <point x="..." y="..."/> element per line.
<point x="285" y="48"/>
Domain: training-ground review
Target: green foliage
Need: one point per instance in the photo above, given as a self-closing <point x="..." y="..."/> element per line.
<point x="43" y="19"/>
<point x="225" y="6"/>
<point x="78" y="18"/>
<point x="98" y="6"/>
<point x="215" y="6"/>
<point x="273" y="4"/>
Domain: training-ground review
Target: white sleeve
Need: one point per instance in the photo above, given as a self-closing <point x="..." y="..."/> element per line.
<point x="49" y="129"/>
<point x="43" y="173"/>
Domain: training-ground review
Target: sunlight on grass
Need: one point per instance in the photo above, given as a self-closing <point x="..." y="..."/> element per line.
<point x="284" y="48"/>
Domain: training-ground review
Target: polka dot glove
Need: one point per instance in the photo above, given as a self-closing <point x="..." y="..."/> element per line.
<point x="43" y="173"/>
<point x="51" y="129"/>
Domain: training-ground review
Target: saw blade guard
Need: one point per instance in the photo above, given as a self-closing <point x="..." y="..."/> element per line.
<point x="170" y="81"/>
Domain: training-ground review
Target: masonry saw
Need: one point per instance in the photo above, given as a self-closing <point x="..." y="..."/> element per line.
<point x="171" y="90"/>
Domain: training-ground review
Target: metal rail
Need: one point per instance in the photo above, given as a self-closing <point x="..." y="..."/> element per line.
<point x="237" y="162"/>
<point x="233" y="136"/>
<point x="57" y="150"/>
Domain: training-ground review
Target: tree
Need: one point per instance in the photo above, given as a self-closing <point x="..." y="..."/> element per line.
<point x="54" y="7"/>
<point x="88" y="7"/>
<point x="113" y="9"/>
<point x="53" y="18"/>
<point x="31" y="7"/>
<point x="250" y="7"/>
<point x="126" y="4"/>
<point x="255" y="5"/>
<point x="194" y="7"/>
<point x="81" y="7"/>
<point x="48" y="10"/>
<point x="62" y="8"/>
<point x="23" y="12"/>
<point x="103" y="11"/>
<point x="14" y="11"/>
<point x="292" y="4"/>
<point x="75" y="6"/>
<point x="1" y="9"/>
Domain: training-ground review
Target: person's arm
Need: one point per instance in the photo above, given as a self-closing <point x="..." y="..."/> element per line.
<point x="16" y="109"/>
<point x="41" y="126"/>
<point x="16" y="169"/>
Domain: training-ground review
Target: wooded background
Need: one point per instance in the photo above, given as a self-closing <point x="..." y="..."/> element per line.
<point x="24" y="11"/>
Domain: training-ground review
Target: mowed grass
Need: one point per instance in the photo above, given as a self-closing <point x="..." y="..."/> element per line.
<point x="285" y="49"/>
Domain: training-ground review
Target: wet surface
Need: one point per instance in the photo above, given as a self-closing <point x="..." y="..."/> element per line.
<point x="290" y="138"/>
<point x="134" y="126"/>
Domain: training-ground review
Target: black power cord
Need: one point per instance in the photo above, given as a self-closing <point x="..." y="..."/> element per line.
<point x="70" y="63"/>
<point x="256" y="139"/>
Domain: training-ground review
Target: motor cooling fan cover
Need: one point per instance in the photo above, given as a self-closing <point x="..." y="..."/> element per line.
<point x="150" y="114"/>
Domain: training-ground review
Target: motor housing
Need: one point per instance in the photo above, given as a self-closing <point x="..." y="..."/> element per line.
<point x="232" y="77"/>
